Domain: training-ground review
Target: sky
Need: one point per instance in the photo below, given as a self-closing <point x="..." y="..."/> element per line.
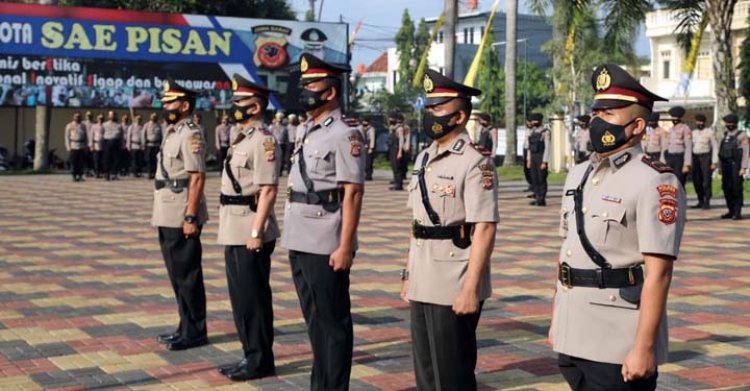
<point x="382" y="18"/>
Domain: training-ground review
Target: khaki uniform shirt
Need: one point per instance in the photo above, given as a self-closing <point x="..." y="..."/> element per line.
<point x="704" y="141"/>
<point x="279" y="131"/>
<point x="254" y="161"/>
<point x="222" y="136"/>
<point x="370" y="137"/>
<point x="679" y="140"/>
<point x="333" y="153"/>
<point x="653" y="138"/>
<point x="87" y="125"/>
<point x="462" y="186"/>
<point x="153" y="134"/>
<point x="181" y="153"/>
<point x="113" y="130"/>
<point x="630" y="209"/>
<point x="75" y="136"/>
<point x="136" y="137"/>
<point x="583" y="138"/>
<point x="96" y="142"/>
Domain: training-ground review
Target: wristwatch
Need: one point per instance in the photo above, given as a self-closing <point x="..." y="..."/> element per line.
<point x="254" y="234"/>
<point x="404" y="274"/>
<point x="190" y="219"/>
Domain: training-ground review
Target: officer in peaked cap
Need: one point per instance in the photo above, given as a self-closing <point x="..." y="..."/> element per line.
<point x="453" y="198"/>
<point x="677" y="149"/>
<point x="539" y="147"/>
<point x="620" y="210"/>
<point x="705" y="160"/>
<point x="324" y="200"/>
<point x="734" y="154"/>
<point x="248" y="228"/>
<point x="180" y="212"/>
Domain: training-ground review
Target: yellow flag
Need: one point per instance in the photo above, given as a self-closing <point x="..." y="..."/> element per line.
<point x="423" y="62"/>
<point x="471" y="76"/>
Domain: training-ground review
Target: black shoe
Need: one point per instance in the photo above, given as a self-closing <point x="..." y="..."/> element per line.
<point x="533" y="203"/>
<point x="151" y="176"/>
<point x="737" y="217"/>
<point x="727" y="215"/>
<point x="697" y="206"/>
<point x="530" y="196"/>
<point x="541" y="203"/>
<point x="706" y="206"/>
<point x="396" y="188"/>
<point x="184" y="344"/>
<point x="243" y="373"/>
<point x="168" y="338"/>
<point x="528" y="189"/>
<point x="226" y="369"/>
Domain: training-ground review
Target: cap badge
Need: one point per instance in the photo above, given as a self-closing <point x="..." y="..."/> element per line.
<point x="234" y="84"/>
<point x="303" y="65"/>
<point x="608" y="139"/>
<point x="167" y="87"/>
<point x="437" y="128"/>
<point x="427" y="84"/>
<point x="603" y="81"/>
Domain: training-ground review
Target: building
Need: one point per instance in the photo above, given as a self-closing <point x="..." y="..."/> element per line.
<point x="668" y="60"/>
<point x="533" y="32"/>
<point x="374" y="77"/>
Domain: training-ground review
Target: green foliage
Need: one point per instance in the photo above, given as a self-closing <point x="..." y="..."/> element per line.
<point x="490" y="80"/>
<point x="267" y="9"/>
<point x="405" y="48"/>
<point x="538" y="92"/>
<point x="745" y="71"/>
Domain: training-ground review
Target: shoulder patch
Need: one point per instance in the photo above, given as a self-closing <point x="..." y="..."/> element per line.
<point x="196" y="142"/>
<point x="484" y="151"/>
<point x="356" y="144"/>
<point x="488" y="175"/>
<point x="656" y="165"/>
<point x="264" y="131"/>
<point x="269" y="148"/>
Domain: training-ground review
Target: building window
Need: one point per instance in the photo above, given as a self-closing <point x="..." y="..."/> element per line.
<point x="466" y="35"/>
<point x="481" y="33"/>
<point x="471" y="35"/>
<point x="666" y="57"/>
<point x="440" y="37"/>
<point x="395" y="77"/>
<point x="703" y="66"/>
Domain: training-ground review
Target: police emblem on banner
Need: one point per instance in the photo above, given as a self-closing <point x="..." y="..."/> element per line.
<point x="270" y="46"/>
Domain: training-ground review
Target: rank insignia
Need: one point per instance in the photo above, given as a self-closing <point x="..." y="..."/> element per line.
<point x="449" y="191"/>
<point x="269" y="148"/>
<point x="196" y="143"/>
<point x="667" y="211"/>
<point x="610" y="198"/>
<point x="488" y="176"/>
<point x="667" y="191"/>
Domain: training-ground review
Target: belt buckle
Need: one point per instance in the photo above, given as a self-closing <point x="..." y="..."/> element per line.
<point x="631" y="275"/>
<point x="289" y="193"/>
<point x="565" y="275"/>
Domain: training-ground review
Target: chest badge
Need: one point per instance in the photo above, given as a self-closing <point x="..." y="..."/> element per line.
<point x="610" y="198"/>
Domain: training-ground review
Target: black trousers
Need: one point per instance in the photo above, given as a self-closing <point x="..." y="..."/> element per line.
<point x="125" y="161"/>
<point x="405" y="159"/>
<point x="702" y="176"/>
<point x="151" y="153"/>
<point x="538" y="176"/>
<point x="676" y="161"/>
<point x="77" y="161"/>
<point x="732" y="184"/>
<point x="98" y="162"/>
<point x="324" y="297"/>
<point x="248" y="274"/>
<point x="136" y="159"/>
<point x="90" y="164"/>
<point x="111" y="161"/>
<point x="585" y="375"/>
<point x="222" y="156"/>
<point x="369" y="167"/>
<point x="286" y="154"/>
<point x="655" y="156"/>
<point x="283" y="150"/>
<point x="398" y="178"/>
<point x="444" y="346"/>
<point x="182" y="257"/>
<point x="526" y="170"/>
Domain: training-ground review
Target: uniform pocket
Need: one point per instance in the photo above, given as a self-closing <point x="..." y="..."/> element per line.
<point x="446" y="251"/>
<point x="609" y="298"/>
<point x="317" y="212"/>
<point x="322" y="163"/>
<point x="238" y="210"/>
<point x="608" y="226"/>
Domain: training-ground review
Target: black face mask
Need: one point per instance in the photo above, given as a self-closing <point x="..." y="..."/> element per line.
<point x="731" y="127"/>
<point x="311" y="100"/>
<point x="436" y="127"/>
<point x="653" y="124"/>
<point x="172" y="116"/>
<point x="239" y="113"/>
<point x="675" y="121"/>
<point x="607" y="137"/>
<point x="701" y="126"/>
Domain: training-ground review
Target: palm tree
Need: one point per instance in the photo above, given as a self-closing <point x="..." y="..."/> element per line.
<point x="511" y="17"/>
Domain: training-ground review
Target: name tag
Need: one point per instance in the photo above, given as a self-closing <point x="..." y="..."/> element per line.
<point x="610" y="198"/>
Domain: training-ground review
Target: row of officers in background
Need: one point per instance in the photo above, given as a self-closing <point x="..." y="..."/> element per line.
<point x="694" y="152"/>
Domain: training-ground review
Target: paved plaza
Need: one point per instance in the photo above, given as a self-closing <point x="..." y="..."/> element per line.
<point x="84" y="291"/>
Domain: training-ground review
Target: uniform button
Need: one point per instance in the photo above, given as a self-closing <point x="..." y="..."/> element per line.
<point x="419" y="221"/>
<point x="584" y="210"/>
<point x="604" y="214"/>
<point x="569" y="253"/>
<point x="612" y="298"/>
<point x="452" y="254"/>
<point x="565" y="288"/>
<point x="316" y="152"/>
<point x="419" y="242"/>
<point x="595" y="181"/>
<point x="435" y="187"/>
<point x="429" y="169"/>
<point x="320" y="214"/>
<point x="307" y="141"/>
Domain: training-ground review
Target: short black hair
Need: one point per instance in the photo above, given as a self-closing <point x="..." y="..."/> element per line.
<point x="465" y="106"/>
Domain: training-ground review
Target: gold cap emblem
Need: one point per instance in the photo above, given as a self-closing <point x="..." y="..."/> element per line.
<point x="608" y="139"/>
<point x="603" y="81"/>
<point x="167" y="87"/>
<point x="234" y="84"/>
<point x="303" y="65"/>
<point x="427" y="84"/>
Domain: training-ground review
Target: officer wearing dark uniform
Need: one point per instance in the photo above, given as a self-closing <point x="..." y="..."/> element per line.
<point x="453" y="196"/>
<point x="323" y="205"/>
<point x="87" y="123"/>
<point x="76" y="143"/>
<point x="620" y="210"/>
<point x="677" y="149"/>
<point x="526" y="170"/>
<point x="583" y="147"/>
<point x="734" y="153"/>
<point x="369" y="133"/>
<point x="396" y="136"/>
<point x="222" y="138"/>
<point x="153" y="135"/>
<point x="705" y="160"/>
<point x="113" y="140"/>
<point x="539" y="147"/>
<point x="179" y="214"/>
<point x="248" y="229"/>
<point x="487" y="134"/>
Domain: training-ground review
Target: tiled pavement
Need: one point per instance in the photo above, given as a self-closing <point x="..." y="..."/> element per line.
<point x="83" y="292"/>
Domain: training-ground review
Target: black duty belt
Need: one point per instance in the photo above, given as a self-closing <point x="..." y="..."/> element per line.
<point x="251" y="201"/>
<point x="333" y="196"/>
<point x="172" y="183"/>
<point x="459" y="234"/>
<point x="600" y="278"/>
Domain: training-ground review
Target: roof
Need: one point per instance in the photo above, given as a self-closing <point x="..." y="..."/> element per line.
<point x="379" y="65"/>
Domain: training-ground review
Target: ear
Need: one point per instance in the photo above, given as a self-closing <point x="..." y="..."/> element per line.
<point x="640" y="126"/>
<point x="254" y="108"/>
<point x="462" y="118"/>
<point x="332" y="93"/>
<point x="185" y="106"/>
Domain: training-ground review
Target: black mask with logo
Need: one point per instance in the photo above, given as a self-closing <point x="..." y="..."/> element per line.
<point x="731" y="127"/>
<point x="172" y="116"/>
<point x="436" y="127"/>
<point x="311" y="100"/>
<point x="239" y="113"/>
<point x="606" y="137"/>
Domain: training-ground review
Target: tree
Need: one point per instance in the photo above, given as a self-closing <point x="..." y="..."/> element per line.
<point x="720" y="13"/>
<point x="490" y="81"/>
<point x="266" y="9"/>
<point x="510" y="82"/>
<point x="405" y="48"/>
<point x="745" y="71"/>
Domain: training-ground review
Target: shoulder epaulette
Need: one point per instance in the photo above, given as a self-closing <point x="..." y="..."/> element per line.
<point x="352" y="122"/>
<point x="656" y="165"/>
<point x="484" y="151"/>
<point x="264" y="131"/>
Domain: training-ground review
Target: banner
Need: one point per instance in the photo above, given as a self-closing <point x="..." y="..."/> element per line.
<point x="86" y="57"/>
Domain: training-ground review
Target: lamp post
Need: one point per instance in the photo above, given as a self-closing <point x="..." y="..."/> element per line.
<point x="525" y="60"/>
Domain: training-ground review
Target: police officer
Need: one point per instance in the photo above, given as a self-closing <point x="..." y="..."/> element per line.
<point x="248" y="229"/>
<point x="583" y="147"/>
<point x="705" y="159"/>
<point x="179" y="214"/>
<point x="291" y="129"/>
<point x="539" y="147"/>
<point x="96" y="145"/>
<point x="198" y="121"/>
<point x="526" y="170"/>
<point x="369" y="134"/>
<point x="734" y="153"/>
<point x="153" y="135"/>
<point x="222" y="138"/>
<point x="677" y="149"/>
<point x="396" y="137"/>
<point x="406" y="148"/>
<point x="453" y="197"/>
<point x="87" y="123"/>
<point x="620" y="210"/>
<point x="113" y="139"/>
<point x="75" y="144"/>
<point x="654" y="138"/>
<point x="124" y="160"/>
<point x="136" y="143"/>
<point x="282" y="136"/>
<point x="323" y="205"/>
<point x="487" y="134"/>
